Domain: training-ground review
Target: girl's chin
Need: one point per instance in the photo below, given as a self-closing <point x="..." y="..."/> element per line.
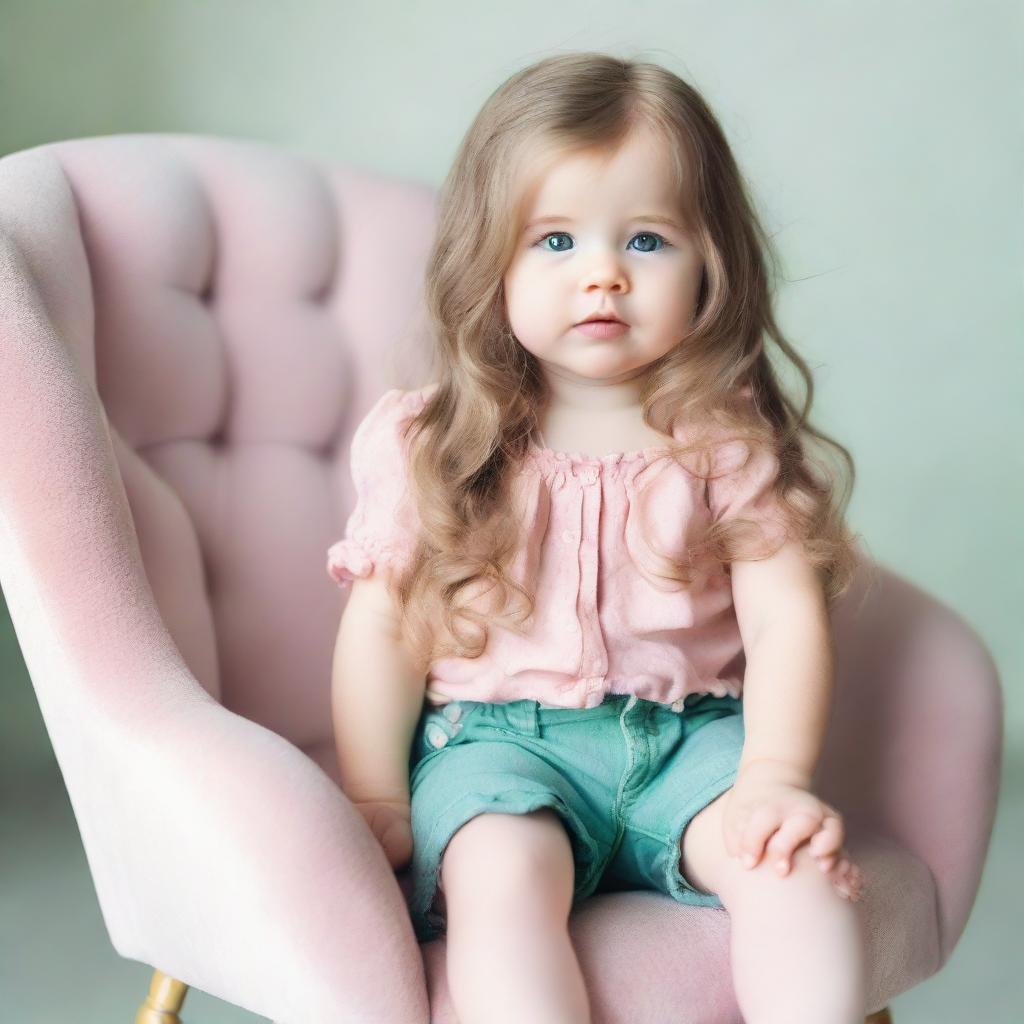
<point x="598" y="371"/>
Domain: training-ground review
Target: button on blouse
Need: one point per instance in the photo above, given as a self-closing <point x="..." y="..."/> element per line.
<point x="607" y="619"/>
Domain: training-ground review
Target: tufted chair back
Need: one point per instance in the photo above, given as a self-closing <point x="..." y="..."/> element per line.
<point x="237" y="309"/>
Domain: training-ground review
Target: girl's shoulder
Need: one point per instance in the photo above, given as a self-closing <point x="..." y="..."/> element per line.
<point x="404" y="399"/>
<point x="389" y="412"/>
<point x="420" y="396"/>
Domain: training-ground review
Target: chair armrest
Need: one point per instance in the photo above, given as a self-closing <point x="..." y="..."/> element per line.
<point x="232" y="862"/>
<point x="224" y="856"/>
<point x="916" y="737"/>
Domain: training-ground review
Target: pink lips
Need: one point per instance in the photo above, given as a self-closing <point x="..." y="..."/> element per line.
<point x="602" y="328"/>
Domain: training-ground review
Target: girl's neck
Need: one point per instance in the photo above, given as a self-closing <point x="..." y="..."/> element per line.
<point x="582" y="446"/>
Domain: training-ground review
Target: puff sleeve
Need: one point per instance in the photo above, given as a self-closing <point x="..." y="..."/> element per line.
<point x="741" y="486"/>
<point x="383" y="527"/>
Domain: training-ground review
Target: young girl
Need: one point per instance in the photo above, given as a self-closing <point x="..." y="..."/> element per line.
<point x="598" y="546"/>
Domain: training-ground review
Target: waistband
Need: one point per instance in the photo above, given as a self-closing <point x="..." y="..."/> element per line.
<point x="528" y="715"/>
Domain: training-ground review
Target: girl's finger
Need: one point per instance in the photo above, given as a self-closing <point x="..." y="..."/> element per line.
<point x="827" y="862"/>
<point x="795" y="830"/>
<point x="829" y="838"/>
<point x="844" y="880"/>
<point x="848" y="878"/>
<point x="761" y="826"/>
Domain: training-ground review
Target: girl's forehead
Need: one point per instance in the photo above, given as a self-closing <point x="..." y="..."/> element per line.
<point x="564" y="179"/>
<point x="564" y="183"/>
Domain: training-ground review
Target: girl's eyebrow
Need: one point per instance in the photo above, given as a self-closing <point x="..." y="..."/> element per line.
<point x="651" y="218"/>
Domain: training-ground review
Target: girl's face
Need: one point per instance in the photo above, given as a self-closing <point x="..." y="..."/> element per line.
<point x="613" y="239"/>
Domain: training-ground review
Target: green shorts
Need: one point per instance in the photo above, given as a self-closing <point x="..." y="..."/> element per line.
<point x="625" y="777"/>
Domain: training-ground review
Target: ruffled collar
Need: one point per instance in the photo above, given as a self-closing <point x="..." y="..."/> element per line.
<point x="553" y="459"/>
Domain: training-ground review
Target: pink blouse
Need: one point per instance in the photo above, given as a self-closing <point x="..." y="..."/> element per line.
<point x="604" y="620"/>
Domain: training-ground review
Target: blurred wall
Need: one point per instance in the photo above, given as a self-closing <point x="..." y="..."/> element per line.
<point x="882" y="142"/>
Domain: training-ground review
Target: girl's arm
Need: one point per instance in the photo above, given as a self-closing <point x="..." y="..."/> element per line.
<point x="782" y="612"/>
<point x="376" y="697"/>
<point x="789" y="680"/>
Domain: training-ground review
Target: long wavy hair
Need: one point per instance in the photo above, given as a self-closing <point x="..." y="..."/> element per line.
<point x="473" y="433"/>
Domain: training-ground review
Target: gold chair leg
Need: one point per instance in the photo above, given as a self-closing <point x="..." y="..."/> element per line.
<point x="882" y="1017"/>
<point x="163" y="1002"/>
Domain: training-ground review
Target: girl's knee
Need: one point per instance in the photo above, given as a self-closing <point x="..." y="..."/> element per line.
<point x="498" y="857"/>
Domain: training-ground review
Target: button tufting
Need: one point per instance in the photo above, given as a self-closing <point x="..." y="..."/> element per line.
<point x="568" y="536"/>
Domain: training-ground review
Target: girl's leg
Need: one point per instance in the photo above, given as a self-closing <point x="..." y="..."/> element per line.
<point x="507" y="886"/>
<point x="797" y="945"/>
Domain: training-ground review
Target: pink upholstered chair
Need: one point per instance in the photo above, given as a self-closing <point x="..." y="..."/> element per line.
<point x="190" y="328"/>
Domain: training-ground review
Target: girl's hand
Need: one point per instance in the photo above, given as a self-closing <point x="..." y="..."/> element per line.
<point x="391" y="823"/>
<point x="770" y="812"/>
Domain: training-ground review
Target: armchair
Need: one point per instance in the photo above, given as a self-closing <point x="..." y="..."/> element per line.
<point x="190" y="328"/>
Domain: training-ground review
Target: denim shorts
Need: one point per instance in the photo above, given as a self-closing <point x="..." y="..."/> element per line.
<point x="625" y="777"/>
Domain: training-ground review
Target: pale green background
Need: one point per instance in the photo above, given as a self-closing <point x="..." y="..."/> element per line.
<point x="883" y="145"/>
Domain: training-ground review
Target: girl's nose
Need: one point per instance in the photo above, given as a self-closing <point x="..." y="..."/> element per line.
<point x="605" y="272"/>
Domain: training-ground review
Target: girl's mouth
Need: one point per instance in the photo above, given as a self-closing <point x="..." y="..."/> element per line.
<point x="602" y="328"/>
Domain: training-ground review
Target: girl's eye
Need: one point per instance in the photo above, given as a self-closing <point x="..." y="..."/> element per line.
<point x="552" y="234"/>
<point x="650" y="235"/>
